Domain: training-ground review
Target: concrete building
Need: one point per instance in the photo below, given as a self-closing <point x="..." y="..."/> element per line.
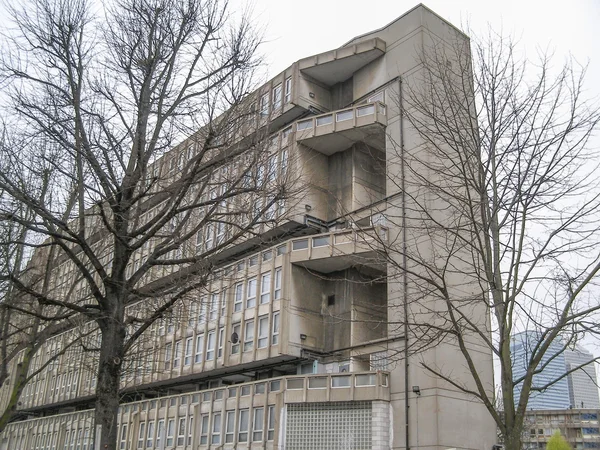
<point x="576" y="390"/>
<point x="295" y="344"/>
<point x="579" y="427"/>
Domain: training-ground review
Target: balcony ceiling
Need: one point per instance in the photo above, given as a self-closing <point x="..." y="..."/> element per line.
<point x="373" y="135"/>
<point x="338" y="65"/>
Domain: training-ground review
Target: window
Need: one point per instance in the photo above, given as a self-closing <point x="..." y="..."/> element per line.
<point x="248" y="335"/>
<point x="181" y="432"/>
<point x="214" y="306"/>
<point x="230" y="427"/>
<point x="123" y="442"/>
<point x="199" y="348"/>
<point x="160" y="435"/>
<point x="223" y="302"/>
<point x="202" y="310"/>
<point x="204" y="430"/>
<point x="300" y="245"/>
<point x="150" y="434"/>
<point x="277" y="97"/>
<point x="376" y="98"/>
<point x="170" y="432"/>
<point x="271" y="424"/>
<point x="265" y="288"/>
<point x="192" y="314"/>
<point x="275" y="336"/>
<point x="264" y="105"/>
<point x="190" y="430"/>
<point x="235" y="331"/>
<point x="244" y="415"/>
<point x="288" y="89"/>
<point x="187" y="359"/>
<point x="141" y="435"/>
<point x="216" y="431"/>
<point x="263" y="331"/>
<point x="257" y="424"/>
<point x="210" y="346"/>
<point x="251" y="293"/>
<point x="168" y="352"/>
<point x="221" y="339"/>
<point x="277" y="292"/>
<point x="177" y="354"/>
<point x="239" y="292"/>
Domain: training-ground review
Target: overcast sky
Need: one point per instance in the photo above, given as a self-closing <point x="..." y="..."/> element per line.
<point x="295" y="29"/>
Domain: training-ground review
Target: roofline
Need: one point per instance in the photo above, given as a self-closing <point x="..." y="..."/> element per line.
<point x="420" y="5"/>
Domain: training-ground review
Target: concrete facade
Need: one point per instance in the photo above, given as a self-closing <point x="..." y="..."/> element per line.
<point x="578" y="426"/>
<point x="298" y="337"/>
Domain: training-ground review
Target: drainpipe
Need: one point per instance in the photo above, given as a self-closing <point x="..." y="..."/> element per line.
<point x="404" y="265"/>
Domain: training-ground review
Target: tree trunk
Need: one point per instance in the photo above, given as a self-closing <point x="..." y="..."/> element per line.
<point x="512" y="440"/>
<point x="15" y="395"/>
<point x="109" y="377"/>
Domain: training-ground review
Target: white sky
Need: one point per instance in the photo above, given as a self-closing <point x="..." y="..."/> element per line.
<point x="296" y="29"/>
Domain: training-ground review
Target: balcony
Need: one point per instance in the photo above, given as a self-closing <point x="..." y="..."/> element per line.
<point x="340" y="64"/>
<point x="338" y="250"/>
<point x="338" y="130"/>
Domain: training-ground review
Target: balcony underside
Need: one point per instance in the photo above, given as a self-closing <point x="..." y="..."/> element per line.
<point x="338" y="65"/>
<point x="329" y="143"/>
<point x="371" y="261"/>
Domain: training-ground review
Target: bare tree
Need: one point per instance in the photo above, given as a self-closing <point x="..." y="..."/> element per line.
<point x="499" y="225"/>
<point x="98" y="102"/>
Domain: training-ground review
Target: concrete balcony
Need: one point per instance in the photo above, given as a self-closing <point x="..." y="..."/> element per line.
<point x="340" y="64"/>
<point x="338" y="250"/>
<point x="338" y="130"/>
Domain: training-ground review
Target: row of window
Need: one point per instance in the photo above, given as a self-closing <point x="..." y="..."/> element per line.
<point x="243" y="425"/>
<point x="275" y="97"/>
<point x="195" y="351"/>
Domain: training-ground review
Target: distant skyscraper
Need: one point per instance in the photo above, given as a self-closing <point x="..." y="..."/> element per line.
<point x="577" y="389"/>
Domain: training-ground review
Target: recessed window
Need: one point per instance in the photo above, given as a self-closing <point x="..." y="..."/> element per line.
<point x="300" y="244"/>
<point x="288" y="89"/>
<point x="277" y="97"/>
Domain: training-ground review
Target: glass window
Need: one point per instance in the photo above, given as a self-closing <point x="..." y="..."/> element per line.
<point x="170" y="432"/>
<point x="244" y="416"/>
<point x="190" y="430"/>
<point x="199" y="348"/>
<point x="210" y="346"/>
<point x="181" y="431"/>
<point x="277" y="97"/>
<point x="214" y="306"/>
<point x="320" y="241"/>
<point x="239" y="292"/>
<point x="263" y="331"/>
<point x="230" y="427"/>
<point x="288" y="89"/>
<point x="168" y="352"/>
<point x="204" y="430"/>
<point x="235" y="342"/>
<point x="248" y="335"/>
<point x="177" y="354"/>
<point x="160" y="435"/>
<point x="277" y="291"/>
<point x="216" y="431"/>
<point x="275" y="335"/>
<point x="257" y="424"/>
<point x="265" y="288"/>
<point x="251" y="293"/>
<point x="123" y="442"/>
<point x="187" y="359"/>
<point x="245" y="390"/>
<point x="300" y="245"/>
<point x="221" y="340"/>
<point x="271" y="424"/>
<point x="150" y="434"/>
<point x="264" y="104"/>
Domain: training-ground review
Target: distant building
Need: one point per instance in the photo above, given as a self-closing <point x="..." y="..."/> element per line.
<point x="579" y="427"/>
<point x="576" y="390"/>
